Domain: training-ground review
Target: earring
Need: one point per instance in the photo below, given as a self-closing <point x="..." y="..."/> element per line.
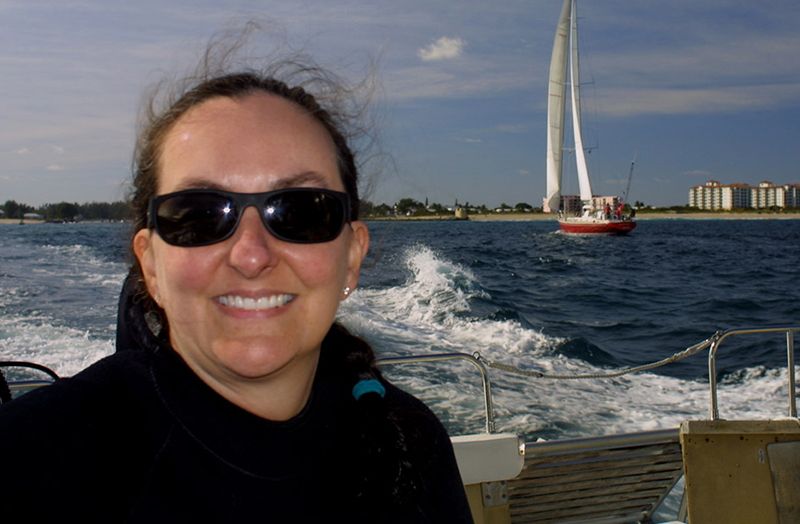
<point x="346" y="291"/>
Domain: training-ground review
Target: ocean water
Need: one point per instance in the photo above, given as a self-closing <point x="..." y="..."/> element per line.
<point x="516" y="292"/>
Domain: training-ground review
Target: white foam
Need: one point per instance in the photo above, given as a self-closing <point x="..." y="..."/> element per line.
<point x="429" y="313"/>
<point x="63" y="349"/>
<point x="58" y="288"/>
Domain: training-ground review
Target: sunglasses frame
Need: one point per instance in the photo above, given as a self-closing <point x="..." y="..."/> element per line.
<point x="241" y="201"/>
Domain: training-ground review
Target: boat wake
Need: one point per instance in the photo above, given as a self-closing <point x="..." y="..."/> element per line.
<point x="434" y="311"/>
<point x="58" y="306"/>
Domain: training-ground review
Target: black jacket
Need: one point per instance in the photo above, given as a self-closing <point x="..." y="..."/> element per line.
<point x="137" y="437"/>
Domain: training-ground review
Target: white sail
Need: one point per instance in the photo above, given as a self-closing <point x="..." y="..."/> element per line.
<point x="556" y="103"/>
<point x="575" y="83"/>
<point x="565" y="60"/>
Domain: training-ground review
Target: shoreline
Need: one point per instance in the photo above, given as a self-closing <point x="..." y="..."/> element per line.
<point x="641" y="217"/>
<point x="24" y="222"/>
<point x="538" y="217"/>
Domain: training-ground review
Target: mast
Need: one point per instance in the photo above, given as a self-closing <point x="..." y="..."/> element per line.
<point x="556" y="104"/>
<point x="630" y="177"/>
<point x="575" y="81"/>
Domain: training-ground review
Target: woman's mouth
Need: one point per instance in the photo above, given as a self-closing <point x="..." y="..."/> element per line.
<point x="255" y="304"/>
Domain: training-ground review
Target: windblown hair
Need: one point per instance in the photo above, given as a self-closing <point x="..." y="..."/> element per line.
<point x="386" y="477"/>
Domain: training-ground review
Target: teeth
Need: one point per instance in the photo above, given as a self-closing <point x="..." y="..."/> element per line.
<point x="253" y="304"/>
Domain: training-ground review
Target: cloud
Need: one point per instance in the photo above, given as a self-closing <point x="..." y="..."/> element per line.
<point x="55" y="167"/>
<point x="23" y="151"/>
<point x="697" y="173"/>
<point x="445" y="48"/>
<point x="524" y="172"/>
<point x="57" y="150"/>
<point x="671" y="101"/>
<point x="468" y="140"/>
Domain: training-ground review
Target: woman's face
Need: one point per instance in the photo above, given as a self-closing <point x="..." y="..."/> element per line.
<point x="250" y="307"/>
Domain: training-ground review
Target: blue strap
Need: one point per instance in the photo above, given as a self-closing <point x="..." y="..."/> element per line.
<point x="365" y="386"/>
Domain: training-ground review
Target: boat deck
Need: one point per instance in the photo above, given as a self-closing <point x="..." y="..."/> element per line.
<point x="618" y="478"/>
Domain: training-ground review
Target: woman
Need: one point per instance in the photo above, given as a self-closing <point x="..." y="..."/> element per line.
<point x="247" y="401"/>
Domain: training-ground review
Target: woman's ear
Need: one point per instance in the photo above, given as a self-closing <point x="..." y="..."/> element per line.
<point x="359" y="245"/>
<point x="143" y="249"/>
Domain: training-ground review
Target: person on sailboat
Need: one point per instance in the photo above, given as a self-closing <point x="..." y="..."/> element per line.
<point x="242" y="399"/>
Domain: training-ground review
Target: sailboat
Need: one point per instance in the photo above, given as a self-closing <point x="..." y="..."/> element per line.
<point x="598" y="215"/>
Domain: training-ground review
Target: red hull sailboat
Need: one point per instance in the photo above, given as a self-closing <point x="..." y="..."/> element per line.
<point x="596" y="226"/>
<point x="593" y="219"/>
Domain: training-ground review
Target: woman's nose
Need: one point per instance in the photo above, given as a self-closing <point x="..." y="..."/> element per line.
<point x="252" y="251"/>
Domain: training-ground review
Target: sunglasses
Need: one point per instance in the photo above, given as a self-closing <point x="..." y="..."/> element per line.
<point x="200" y="217"/>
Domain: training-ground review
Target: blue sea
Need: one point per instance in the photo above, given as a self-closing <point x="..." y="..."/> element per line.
<point x="516" y="292"/>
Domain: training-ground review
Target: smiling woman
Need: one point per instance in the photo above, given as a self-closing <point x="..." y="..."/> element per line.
<point x="237" y="397"/>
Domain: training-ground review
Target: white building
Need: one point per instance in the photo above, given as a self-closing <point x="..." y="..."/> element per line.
<point x="573" y="204"/>
<point x="707" y="196"/>
<point x="714" y="196"/>
<point x="600" y="202"/>
<point x="792" y="195"/>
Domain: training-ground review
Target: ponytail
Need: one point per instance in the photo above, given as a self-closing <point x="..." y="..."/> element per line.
<point x="385" y="475"/>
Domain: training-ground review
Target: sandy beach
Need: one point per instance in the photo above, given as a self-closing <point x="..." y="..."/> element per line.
<point x="16" y="221"/>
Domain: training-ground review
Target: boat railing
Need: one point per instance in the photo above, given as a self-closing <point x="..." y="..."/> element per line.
<point x="18" y="387"/>
<point x="441" y="357"/>
<point x="12" y="386"/>
<point x="713" y="344"/>
<point x="721" y="336"/>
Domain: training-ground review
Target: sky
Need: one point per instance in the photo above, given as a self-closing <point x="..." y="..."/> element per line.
<point x="691" y="89"/>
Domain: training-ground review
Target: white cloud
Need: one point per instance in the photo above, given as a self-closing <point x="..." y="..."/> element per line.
<point x="671" y="101"/>
<point x="23" y="151"/>
<point x="444" y="48"/>
<point x="55" y="167"/>
<point x="57" y="150"/>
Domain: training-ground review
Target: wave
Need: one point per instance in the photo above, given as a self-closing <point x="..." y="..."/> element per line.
<point x="36" y="338"/>
<point x="434" y="309"/>
<point x="432" y="312"/>
<point x="59" y="304"/>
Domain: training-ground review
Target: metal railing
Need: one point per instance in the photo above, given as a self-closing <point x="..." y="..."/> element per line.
<point x="439" y="357"/>
<point x="720" y="336"/>
<point x="713" y="343"/>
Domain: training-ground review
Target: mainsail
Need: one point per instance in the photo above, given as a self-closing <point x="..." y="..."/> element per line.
<point x="556" y="103"/>
<point x="575" y="84"/>
<point x="566" y="39"/>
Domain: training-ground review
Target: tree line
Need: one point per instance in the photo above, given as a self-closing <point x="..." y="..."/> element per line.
<point x="120" y="210"/>
<point x="411" y="207"/>
<point x="69" y="211"/>
<point x="74" y="212"/>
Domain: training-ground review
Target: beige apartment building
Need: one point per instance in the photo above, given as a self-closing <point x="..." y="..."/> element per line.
<point x="714" y="195"/>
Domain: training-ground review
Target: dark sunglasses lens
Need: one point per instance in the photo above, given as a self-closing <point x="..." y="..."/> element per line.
<point x="195" y="219"/>
<point x="304" y="216"/>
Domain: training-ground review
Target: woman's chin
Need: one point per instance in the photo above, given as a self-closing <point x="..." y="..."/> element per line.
<point x="258" y="360"/>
